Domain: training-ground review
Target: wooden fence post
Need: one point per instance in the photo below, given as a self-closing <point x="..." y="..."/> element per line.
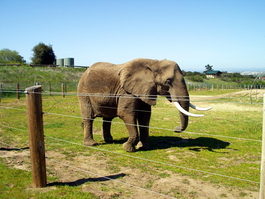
<point x="50" y="88"/>
<point x="36" y="136"/>
<point x="18" y="94"/>
<point x="63" y="90"/>
<point x="1" y="87"/>
<point x="262" y="169"/>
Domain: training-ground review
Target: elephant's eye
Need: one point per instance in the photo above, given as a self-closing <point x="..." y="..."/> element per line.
<point x="169" y="81"/>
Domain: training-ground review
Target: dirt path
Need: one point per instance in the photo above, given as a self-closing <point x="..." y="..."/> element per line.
<point x="128" y="183"/>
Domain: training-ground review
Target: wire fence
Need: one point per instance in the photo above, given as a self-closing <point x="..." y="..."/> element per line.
<point x="10" y="89"/>
<point x="3" y="125"/>
<point x="122" y="123"/>
<point x="69" y="89"/>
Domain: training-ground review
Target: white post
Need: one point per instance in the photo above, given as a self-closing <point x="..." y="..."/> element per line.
<point x="262" y="168"/>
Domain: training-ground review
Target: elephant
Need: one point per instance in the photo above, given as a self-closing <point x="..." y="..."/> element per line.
<point x="128" y="91"/>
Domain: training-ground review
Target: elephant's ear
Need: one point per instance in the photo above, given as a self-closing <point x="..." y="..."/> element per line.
<point x="138" y="80"/>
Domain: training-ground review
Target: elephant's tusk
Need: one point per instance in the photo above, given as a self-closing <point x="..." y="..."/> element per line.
<point x="186" y="112"/>
<point x="200" y="109"/>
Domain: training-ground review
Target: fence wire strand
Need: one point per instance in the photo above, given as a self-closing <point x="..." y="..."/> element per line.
<point x="123" y="123"/>
<point x="150" y="97"/>
<point x="151" y="127"/>
<point x="113" y="95"/>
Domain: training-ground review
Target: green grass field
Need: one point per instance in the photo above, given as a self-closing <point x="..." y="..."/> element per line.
<point x="221" y="149"/>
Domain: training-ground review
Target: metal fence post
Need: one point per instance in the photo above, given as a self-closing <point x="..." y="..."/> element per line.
<point x="262" y="168"/>
<point x="36" y="136"/>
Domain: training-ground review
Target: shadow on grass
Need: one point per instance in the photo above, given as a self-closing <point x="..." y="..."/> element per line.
<point x="165" y="142"/>
<point x="84" y="180"/>
<point x="197" y="144"/>
<point x="13" y="149"/>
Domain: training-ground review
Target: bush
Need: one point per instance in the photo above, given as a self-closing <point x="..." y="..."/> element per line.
<point x="196" y="78"/>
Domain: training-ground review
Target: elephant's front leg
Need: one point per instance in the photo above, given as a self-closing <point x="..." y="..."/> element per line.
<point x="143" y="121"/>
<point x="106" y="130"/>
<point x="130" y="122"/>
<point x="88" y="134"/>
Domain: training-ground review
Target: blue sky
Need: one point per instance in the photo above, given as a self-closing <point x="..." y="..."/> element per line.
<point x="228" y="34"/>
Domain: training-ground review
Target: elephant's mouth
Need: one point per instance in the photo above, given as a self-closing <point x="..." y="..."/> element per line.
<point x="182" y="110"/>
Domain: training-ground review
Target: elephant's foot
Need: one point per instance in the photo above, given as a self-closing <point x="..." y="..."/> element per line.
<point x="90" y="142"/>
<point x="178" y="129"/>
<point x="129" y="147"/>
<point x="108" y="139"/>
<point x="143" y="146"/>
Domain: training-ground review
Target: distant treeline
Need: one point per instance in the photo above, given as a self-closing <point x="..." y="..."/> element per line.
<point x="226" y="77"/>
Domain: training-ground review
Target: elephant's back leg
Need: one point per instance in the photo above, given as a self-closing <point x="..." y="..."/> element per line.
<point x="106" y="126"/>
<point x="87" y="117"/>
<point x="143" y="120"/>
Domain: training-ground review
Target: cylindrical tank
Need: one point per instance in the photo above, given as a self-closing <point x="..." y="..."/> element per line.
<point x="69" y="62"/>
<point x="60" y="62"/>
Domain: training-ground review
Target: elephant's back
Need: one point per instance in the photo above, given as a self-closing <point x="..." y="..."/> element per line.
<point x="100" y="77"/>
<point x="101" y="69"/>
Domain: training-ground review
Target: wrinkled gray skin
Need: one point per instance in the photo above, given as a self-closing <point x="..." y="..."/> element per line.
<point x="128" y="91"/>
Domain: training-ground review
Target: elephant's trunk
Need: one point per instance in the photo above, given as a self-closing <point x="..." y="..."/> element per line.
<point x="184" y="119"/>
<point x="183" y="104"/>
<point x="180" y="96"/>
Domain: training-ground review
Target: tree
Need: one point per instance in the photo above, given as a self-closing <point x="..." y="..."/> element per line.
<point x="10" y="57"/>
<point x="43" y="54"/>
<point x="208" y="67"/>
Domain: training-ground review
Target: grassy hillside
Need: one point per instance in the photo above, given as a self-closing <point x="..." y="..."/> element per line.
<point x="234" y="79"/>
<point x="51" y="79"/>
<point x="26" y="74"/>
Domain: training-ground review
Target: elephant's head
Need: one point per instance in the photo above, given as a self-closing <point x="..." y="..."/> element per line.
<point x="145" y="78"/>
